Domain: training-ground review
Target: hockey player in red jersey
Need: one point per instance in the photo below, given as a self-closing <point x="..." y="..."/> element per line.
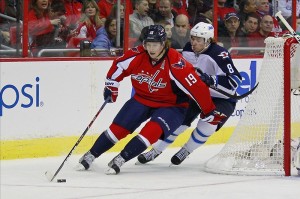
<point x="218" y="72"/>
<point x="163" y="81"/>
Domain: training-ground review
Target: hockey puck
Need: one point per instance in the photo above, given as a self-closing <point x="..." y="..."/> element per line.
<point x="61" y="180"/>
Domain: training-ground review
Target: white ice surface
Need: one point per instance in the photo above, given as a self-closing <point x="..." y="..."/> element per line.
<point x="25" y="179"/>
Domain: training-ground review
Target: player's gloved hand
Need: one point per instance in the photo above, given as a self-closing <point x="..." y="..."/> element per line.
<point x="111" y="90"/>
<point x="209" y="80"/>
<point x="214" y="117"/>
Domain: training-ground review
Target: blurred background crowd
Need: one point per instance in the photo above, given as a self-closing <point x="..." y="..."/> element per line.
<point x="98" y="26"/>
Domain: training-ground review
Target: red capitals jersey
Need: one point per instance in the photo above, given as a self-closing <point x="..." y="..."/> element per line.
<point x="164" y="83"/>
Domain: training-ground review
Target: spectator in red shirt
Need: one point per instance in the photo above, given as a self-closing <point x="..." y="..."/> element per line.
<point x="106" y="7"/>
<point x="266" y="25"/>
<point x="89" y="23"/>
<point x="180" y="7"/>
<point x="41" y="28"/>
<point x="73" y="12"/>
<point x="38" y="17"/>
<point x="223" y="9"/>
<point x="90" y="20"/>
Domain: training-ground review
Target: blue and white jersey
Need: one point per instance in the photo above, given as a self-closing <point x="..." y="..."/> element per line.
<point x="215" y="60"/>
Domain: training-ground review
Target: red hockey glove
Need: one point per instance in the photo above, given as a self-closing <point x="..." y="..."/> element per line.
<point x="214" y="117"/>
<point x="111" y="90"/>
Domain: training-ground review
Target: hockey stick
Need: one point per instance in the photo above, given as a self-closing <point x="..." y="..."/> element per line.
<point x="235" y="96"/>
<point x="48" y="174"/>
<point x="279" y="17"/>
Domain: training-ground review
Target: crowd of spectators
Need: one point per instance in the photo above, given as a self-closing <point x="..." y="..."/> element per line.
<point x="59" y="24"/>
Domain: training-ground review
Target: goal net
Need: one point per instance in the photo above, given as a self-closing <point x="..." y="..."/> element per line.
<point x="260" y="143"/>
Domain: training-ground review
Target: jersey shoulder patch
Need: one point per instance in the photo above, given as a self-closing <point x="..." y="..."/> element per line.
<point x="224" y="55"/>
<point x="217" y="52"/>
<point x="176" y="59"/>
<point x="180" y="64"/>
<point x="131" y="53"/>
<point x="135" y="49"/>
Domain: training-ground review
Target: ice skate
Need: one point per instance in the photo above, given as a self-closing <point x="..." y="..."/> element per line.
<point x="115" y="165"/>
<point x="85" y="161"/>
<point x="180" y="156"/>
<point x="147" y="157"/>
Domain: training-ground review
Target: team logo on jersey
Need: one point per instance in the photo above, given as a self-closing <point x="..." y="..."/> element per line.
<point x="150" y="80"/>
<point x="224" y="55"/>
<point x="179" y="65"/>
<point x="135" y="49"/>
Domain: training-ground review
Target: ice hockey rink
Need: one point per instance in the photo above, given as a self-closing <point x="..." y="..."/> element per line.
<point x="25" y="179"/>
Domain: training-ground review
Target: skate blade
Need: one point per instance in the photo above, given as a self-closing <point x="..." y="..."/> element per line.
<point x="139" y="163"/>
<point x="110" y="171"/>
<point x="79" y="167"/>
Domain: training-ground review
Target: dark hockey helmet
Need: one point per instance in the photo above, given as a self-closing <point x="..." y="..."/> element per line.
<point x="155" y="33"/>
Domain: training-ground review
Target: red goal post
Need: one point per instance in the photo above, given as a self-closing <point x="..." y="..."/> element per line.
<point x="260" y="143"/>
<point x="290" y="61"/>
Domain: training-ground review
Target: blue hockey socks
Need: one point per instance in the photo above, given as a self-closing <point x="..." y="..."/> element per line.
<point x="102" y="144"/>
<point x="134" y="147"/>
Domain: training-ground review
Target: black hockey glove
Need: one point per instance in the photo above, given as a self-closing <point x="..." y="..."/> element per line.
<point x="209" y="80"/>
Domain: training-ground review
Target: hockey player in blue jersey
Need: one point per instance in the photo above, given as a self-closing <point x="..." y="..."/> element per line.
<point x="217" y="70"/>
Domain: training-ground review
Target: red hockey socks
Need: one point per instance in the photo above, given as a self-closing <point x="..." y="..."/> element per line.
<point x="151" y="131"/>
<point x="148" y="135"/>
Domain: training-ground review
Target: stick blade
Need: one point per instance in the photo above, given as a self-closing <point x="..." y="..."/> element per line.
<point x="49" y="175"/>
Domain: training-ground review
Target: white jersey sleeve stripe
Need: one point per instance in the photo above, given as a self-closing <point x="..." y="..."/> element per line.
<point x="123" y="65"/>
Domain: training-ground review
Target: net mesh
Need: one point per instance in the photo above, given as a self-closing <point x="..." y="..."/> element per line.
<point x="256" y="147"/>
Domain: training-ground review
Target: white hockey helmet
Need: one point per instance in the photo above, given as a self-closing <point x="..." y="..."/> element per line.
<point x="204" y="30"/>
